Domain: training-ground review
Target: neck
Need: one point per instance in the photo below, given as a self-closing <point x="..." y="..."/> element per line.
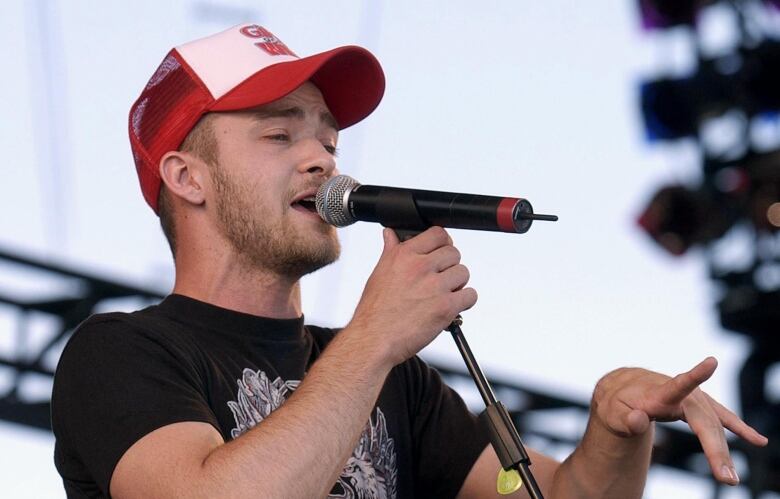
<point x="226" y="281"/>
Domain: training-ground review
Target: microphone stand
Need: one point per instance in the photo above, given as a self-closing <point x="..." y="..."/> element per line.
<point x="503" y="434"/>
<point x="407" y="222"/>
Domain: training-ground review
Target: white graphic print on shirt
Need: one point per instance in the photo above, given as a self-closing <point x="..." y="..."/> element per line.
<point x="370" y="472"/>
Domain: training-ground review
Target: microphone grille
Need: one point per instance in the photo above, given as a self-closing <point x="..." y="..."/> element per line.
<point x="331" y="200"/>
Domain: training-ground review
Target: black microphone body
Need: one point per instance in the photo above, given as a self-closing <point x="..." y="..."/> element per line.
<point x="415" y="209"/>
<point x="342" y="201"/>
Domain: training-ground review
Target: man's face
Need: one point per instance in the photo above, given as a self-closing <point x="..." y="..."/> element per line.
<point x="271" y="160"/>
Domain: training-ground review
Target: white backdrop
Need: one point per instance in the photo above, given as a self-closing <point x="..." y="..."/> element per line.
<point x="527" y="99"/>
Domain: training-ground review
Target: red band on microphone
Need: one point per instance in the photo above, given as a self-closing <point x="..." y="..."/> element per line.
<point x="505" y="214"/>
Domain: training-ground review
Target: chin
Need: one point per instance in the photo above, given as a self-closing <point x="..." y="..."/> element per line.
<point x="309" y="254"/>
<point x="295" y="269"/>
<point x="326" y="254"/>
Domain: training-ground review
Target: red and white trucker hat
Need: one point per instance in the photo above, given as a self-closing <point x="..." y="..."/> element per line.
<point x="242" y="67"/>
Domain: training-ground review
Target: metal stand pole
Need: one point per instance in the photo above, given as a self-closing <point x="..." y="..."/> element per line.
<point x="503" y="434"/>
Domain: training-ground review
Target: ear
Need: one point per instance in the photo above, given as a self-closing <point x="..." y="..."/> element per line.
<point x="184" y="176"/>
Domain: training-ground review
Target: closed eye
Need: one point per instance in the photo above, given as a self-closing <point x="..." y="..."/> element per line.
<point x="279" y="137"/>
<point x="333" y="150"/>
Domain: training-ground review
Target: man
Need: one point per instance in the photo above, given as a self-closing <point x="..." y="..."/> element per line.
<point x="221" y="391"/>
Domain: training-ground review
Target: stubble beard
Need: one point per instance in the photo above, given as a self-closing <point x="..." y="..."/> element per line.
<point x="271" y="246"/>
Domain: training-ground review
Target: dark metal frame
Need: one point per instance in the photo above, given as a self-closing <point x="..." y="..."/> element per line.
<point x="71" y="309"/>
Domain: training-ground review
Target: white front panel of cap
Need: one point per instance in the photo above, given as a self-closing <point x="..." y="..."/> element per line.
<point x="224" y="60"/>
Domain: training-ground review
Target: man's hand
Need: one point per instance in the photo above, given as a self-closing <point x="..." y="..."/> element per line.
<point x="627" y="400"/>
<point x="415" y="291"/>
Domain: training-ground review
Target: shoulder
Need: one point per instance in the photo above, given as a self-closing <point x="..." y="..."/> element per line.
<point x="100" y="330"/>
<point x="416" y="370"/>
<point x="115" y="358"/>
<point x="114" y="330"/>
<point x="321" y="335"/>
<point x="108" y="344"/>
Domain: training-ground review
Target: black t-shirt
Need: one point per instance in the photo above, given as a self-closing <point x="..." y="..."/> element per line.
<point x="122" y="376"/>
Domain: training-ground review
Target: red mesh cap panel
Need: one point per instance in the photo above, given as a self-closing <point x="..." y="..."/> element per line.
<point x="160" y="119"/>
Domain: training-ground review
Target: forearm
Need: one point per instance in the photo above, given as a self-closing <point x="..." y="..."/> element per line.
<point x="605" y="465"/>
<point x="300" y="449"/>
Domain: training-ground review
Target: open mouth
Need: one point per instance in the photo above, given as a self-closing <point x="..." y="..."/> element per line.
<point x="307" y="204"/>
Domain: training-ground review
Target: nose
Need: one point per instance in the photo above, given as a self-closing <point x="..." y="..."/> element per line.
<point x="318" y="160"/>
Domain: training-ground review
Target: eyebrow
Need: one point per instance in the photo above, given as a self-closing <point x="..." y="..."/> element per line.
<point x="293" y="112"/>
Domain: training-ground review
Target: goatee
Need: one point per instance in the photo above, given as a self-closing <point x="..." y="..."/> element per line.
<point x="270" y="245"/>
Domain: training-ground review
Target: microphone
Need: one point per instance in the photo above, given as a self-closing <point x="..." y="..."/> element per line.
<point x="342" y="201"/>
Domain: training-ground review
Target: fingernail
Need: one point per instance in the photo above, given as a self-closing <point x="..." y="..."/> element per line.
<point x="730" y="473"/>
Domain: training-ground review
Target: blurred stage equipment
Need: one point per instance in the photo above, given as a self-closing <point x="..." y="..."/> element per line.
<point x="727" y="108"/>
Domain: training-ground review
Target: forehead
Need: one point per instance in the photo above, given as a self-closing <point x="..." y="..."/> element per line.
<point x="308" y="94"/>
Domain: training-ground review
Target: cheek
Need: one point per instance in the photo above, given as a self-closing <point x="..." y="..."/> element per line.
<point x="271" y="192"/>
<point x="263" y="182"/>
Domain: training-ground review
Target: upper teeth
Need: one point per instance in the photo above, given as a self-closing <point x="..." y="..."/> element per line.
<point x="309" y="198"/>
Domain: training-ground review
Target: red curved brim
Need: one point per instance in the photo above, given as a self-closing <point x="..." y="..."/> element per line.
<point x="350" y="79"/>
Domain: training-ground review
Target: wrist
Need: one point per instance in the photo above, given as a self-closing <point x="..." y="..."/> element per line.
<point x="605" y="464"/>
<point x="358" y="340"/>
<point x="602" y="442"/>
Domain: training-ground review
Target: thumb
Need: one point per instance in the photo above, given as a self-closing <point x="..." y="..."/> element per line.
<point x="390" y="238"/>
<point x="637" y="422"/>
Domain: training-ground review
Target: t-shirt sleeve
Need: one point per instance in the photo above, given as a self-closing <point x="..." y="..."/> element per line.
<point x="448" y="438"/>
<point x="116" y="382"/>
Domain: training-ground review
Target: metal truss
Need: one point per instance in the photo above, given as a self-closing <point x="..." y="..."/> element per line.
<point x="75" y="296"/>
<point x="548" y="421"/>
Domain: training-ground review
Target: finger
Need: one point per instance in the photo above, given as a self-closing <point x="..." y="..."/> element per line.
<point x="637" y="422"/>
<point x="676" y="389"/>
<point x="390" y="238"/>
<point x="465" y="298"/>
<point x="736" y="425"/>
<point x="444" y="258"/>
<point x="624" y="421"/>
<point x="705" y="423"/>
<point x="431" y="239"/>
<point x="455" y="277"/>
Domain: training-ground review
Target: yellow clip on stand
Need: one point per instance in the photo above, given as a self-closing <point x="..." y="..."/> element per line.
<point x="508" y="481"/>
